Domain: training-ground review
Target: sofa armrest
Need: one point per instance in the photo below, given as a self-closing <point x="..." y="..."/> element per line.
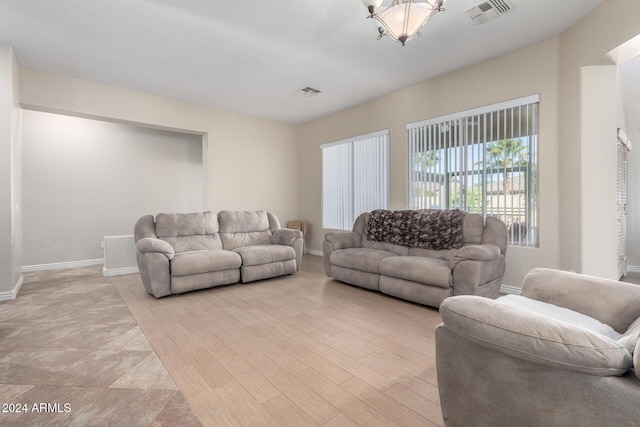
<point x="154" y="263"/>
<point x="285" y="236"/>
<point x="614" y="303"/>
<point x="477" y="270"/>
<point x="290" y="237"/>
<point x="149" y="245"/>
<point x="485" y="252"/>
<point x="338" y="240"/>
<point x="343" y="239"/>
<point x="533" y="337"/>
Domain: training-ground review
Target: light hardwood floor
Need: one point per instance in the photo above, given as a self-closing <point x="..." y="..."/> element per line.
<point x="300" y="350"/>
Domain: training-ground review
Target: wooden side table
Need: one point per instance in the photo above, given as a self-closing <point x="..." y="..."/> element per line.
<point x="302" y="226"/>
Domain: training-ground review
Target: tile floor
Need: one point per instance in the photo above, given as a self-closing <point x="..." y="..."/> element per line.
<point x="72" y="354"/>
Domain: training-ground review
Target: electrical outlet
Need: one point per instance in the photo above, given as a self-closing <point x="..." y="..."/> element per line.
<point x="102" y="245"/>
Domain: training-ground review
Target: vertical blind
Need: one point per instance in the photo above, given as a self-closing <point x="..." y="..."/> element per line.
<point x="355" y="178"/>
<point x="623" y="148"/>
<point x="482" y="161"/>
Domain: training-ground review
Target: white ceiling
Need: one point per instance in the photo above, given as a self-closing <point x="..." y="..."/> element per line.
<point x="254" y="56"/>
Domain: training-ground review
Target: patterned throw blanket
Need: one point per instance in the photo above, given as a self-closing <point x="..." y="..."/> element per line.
<point x="427" y="228"/>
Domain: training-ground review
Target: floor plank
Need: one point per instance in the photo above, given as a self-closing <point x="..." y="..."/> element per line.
<point x="297" y="350"/>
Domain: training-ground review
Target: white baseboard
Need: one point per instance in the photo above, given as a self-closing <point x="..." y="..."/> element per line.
<point x="62" y="265"/>
<point x="7" y="296"/>
<point x="506" y="289"/>
<point x="14" y="292"/>
<point x="108" y="272"/>
<point x="314" y="252"/>
<point x="633" y="268"/>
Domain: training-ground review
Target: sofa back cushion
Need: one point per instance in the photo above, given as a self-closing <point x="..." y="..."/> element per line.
<point x="495" y="232"/>
<point x="612" y="302"/>
<point x="533" y="337"/>
<point x="244" y="228"/>
<point x="472" y="231"/>
<point x="189" y="231"/>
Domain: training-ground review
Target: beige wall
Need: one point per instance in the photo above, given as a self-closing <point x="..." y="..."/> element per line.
<point x="598" y="109"/>
<point x="607" y="27"/>
<point x="633" y="131"/>
<point x="553" y="69"/>
<point x="528" y="71"/>
<point x="10" y="177"/>
<point x="249" y="162"/>
<point x="93" y="178"/>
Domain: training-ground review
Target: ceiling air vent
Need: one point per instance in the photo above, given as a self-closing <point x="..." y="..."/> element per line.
<point x="309" y="91"/>
<point x="488" y="10"/>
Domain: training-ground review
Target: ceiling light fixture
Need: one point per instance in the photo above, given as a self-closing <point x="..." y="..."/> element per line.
<point x="402" y="19"/>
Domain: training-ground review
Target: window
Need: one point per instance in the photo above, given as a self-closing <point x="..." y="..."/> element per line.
<point x="482" y="161"/>
<point x="355" y="178"/>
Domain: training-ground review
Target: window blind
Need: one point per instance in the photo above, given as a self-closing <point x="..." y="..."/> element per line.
<point x="482" y="161"/>
<point x="622" y="211"/>
<point x="355" y="178"/>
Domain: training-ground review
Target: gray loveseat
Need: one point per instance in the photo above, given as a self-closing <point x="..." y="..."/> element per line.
<point x="183" y="252"/>
<point x="500" y="364"/>
<point x="405" y="267"/>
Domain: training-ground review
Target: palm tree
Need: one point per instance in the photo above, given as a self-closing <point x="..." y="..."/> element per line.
<point x="504" y="155"/>
<point x="423" y="161"/>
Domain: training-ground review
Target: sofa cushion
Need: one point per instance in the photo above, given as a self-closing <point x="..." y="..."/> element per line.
<point x="429" y="271"/>
<point x="187" y="263"/>
<point x="265" y="254"/>
<point x="189" y="231"/>
<point x="560" y="313"/>
<point x="430" y="253"/>
<point x="472" y="229"/>
<point x="250" y="273"/>
<point x="362" y="259"/>
<point x="610" y="301"/>
<point x="244" y="228"/>
<point x="386" y="247"/>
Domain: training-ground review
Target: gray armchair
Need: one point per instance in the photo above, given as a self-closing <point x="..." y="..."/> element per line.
<point x="500" y="365"/>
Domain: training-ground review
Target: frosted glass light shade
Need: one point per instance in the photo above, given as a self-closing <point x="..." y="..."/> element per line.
<point x="372" y="6"/>
<point x="375" y="3"/>
<point x="403" y="20"/>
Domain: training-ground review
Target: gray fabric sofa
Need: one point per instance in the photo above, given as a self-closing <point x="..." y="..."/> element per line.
<point x="183" y="252"/>
<point x="425" y="276"/>
<point x="498" y="365"/>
